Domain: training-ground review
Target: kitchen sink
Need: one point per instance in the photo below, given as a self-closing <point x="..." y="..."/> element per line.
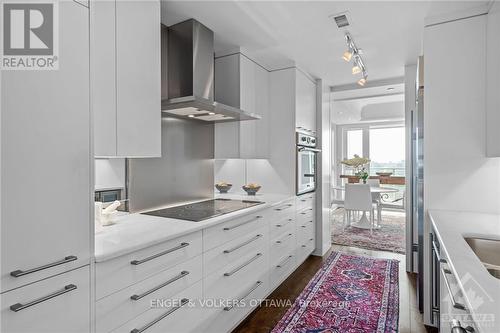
<point x="488" y="251"/>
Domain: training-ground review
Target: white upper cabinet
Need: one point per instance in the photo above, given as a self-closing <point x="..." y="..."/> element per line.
<point x="244" y="84"/>
<point x="305" y="103"/>
<point x="45" y="161"/>
<point x="126" y="81"/>
<point x="492" y="82"/>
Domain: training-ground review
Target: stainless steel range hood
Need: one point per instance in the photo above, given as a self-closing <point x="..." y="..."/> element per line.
<point x="188" y="75"/>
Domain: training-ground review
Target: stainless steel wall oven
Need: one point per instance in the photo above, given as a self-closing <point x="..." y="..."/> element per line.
<point x="306" y="163"/>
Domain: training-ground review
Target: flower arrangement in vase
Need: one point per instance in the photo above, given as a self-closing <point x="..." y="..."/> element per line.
<point x="358" y="165"/>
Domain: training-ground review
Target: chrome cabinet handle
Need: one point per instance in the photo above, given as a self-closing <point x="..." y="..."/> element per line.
<point x="18" y="273"/>
<point x="184" y="301"/>
<point x="257" y="284"/>
<point x="18" y="306"/>
<point x="154" y="256"/>
<point x="454" y="303"/>
<point x="243" y="265"/>
<point x="242" y="223"/>
<point x="283" y="208"/>
<point x="243" y="244"/>
<point x="283" y="263"/>
<point x="280" y="225"/>
<point x="283" y="239"/>
<point x="436" y="253"/>
<point x="152" y="290"/>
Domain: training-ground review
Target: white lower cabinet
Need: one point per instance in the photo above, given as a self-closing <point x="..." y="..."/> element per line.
<point x="177" y="314"/>
<point x="207" y="281"/>
<point x="59" y="304"/>
<point x="116" y="309"/>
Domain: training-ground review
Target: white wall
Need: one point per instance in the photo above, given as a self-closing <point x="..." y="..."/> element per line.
<point x="458" y="176"/>
<point x="323" y="198"/>
<point x="109" y="173"/>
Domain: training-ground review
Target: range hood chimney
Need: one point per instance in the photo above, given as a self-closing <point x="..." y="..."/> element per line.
<point x="188" y="83"/>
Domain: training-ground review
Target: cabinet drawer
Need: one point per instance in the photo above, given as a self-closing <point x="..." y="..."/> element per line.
<point x="305" y="232"/>
<point x="304" y="249"/>
<point x="181" y="313"/>
<point x="118" y="308"/>
<point x="231" y="252"/>
<point x="226" y="319"/>
<point x="305" y="201"/>
<point x="126" y="270"/>
<point x="280" y="270"/>
<point x="305" y="215"/>
<point x="66" y="311"/>
<point x="282" y="246"/>
<point x="283" y="210"/>
<point x="278" y="227"/>
<point x="225" y="232"/>
<point x="230" y="282"/>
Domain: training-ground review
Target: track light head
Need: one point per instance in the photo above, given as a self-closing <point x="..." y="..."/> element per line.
<point x="356" y="69"/>
<point x="347" y="55"/>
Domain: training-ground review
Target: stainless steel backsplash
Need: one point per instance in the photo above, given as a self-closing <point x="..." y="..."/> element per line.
<point x="184" y="172"/>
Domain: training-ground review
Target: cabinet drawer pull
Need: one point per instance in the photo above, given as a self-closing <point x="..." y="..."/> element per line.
<point x="154" y="256"/>
<point x="152" y="290"/>
<point x="283" y="207"/>
<point x="284" y="262"/>
<point x="242" y="223"/>
<point x="280" y="225"/>
<point x="184" y="301"/>
<point x="243" y="265"/>
<point x="18" y="273"/>
<point x="18" y="306"/>
<point x="257" y="284"/>
<point x="283" y="239"/>
<point x="436" y="253"/>
<point x="454" y="303"/>
<point x="304" y="226"/>
<point x="243" y="244"/>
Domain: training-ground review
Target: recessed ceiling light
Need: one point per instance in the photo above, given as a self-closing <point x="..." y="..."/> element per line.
<point x="211" y="113"/>
<point x="191" y="116"/>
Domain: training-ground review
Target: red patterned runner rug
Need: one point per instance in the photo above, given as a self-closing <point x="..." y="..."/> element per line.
<point x="349" y="294"/>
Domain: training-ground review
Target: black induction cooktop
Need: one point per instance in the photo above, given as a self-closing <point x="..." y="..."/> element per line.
<point x="203" y="210"/>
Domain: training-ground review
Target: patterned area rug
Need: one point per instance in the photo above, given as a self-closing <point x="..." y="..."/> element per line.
<point x="349" y="294"/>
<point x="390" y="237"/>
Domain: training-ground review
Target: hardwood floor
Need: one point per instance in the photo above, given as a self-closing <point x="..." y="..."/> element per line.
<point x="263" y="319"/>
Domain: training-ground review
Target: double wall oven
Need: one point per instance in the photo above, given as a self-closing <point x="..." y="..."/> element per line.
<point x="306" y="163"/>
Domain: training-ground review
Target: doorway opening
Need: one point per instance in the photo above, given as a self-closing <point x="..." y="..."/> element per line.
<point x="371" y="127"/>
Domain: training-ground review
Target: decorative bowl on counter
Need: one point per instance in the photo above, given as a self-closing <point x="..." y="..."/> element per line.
<point x="384" y="174"/>
<point x="223" y="187"/>
<point x="251" y="189"/>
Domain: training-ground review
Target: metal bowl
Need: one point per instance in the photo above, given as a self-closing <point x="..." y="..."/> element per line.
<point x="251" y="190"/>
<point x="223" y="188"/>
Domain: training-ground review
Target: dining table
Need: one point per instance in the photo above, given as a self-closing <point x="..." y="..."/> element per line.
<point x="363" y="222"/>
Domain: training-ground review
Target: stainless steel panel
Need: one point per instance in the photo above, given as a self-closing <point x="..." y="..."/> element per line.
<point x="190" y="60"/>
<point x="185" y="171"/>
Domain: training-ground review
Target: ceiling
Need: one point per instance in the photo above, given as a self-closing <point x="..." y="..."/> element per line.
<point x="282" y="33"/>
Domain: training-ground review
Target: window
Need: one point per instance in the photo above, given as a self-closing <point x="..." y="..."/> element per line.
<point x="354" y="143"/>
<point x="387" y="150"/>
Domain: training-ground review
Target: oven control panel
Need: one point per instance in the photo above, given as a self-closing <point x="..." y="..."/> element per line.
<point x="306" y="140"/>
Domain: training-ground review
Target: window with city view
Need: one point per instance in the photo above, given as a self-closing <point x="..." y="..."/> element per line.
<point x="387" y="150"/>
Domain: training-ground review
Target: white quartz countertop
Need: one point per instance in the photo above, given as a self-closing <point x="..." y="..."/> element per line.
<point x="481" y="289"/>
<point x="133" y="232"/>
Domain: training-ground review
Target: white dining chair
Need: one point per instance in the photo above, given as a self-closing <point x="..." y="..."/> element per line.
<point x="377" y="200"/>
<point x="358" y="198"/>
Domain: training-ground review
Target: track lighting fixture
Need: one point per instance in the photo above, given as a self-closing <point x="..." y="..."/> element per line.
<point x="353" y="52"/>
